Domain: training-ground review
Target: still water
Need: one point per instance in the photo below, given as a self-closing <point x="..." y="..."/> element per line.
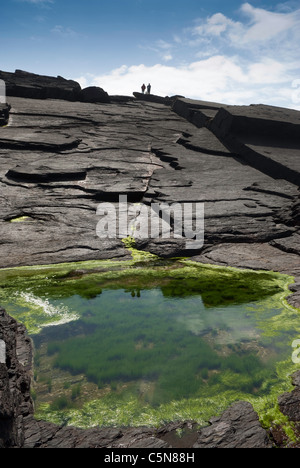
<point x="146" y="346"/>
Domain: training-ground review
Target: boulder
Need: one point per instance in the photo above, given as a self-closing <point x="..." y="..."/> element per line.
<point x="238" y="427"/>
<point x="289" y="402"/>
<point x="93" y="94"/>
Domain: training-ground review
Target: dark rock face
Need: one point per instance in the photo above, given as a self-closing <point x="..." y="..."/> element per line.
<point x="61" y="158"/>
<point x="238" y="427"/>
<point x="4" y="114"/>
<point x="265" y="137"/>
<point x="32" y="86"/>
<point x="289" y="403"/>
<point x="93" y="94"/>
<point x="15" y="373"/>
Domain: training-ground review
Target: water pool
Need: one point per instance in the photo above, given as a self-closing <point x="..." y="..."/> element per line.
<point x="131" y="343"/>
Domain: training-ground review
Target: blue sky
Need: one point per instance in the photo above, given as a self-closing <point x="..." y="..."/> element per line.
<point x="232" y="51"/>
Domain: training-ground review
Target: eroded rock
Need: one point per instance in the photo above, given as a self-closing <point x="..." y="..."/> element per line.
<point x="61" y="158"/>
<point x="238" y="427"/>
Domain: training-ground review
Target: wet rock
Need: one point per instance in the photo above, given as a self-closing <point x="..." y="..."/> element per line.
<point x="15" y="399"/>
<point x="238" y="427"/>
<point x="289" y="402"/>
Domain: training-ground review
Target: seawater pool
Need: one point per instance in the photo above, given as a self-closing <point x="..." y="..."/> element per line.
<point x="145" y="343"/>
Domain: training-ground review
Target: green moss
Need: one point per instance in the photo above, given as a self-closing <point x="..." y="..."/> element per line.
<point x="169" y="339"/>
<point x="20" y="219"/>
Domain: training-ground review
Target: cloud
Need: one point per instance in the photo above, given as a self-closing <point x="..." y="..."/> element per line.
<point x="251" y="59"/>
<point x="215" y="26"/>
<point x="217" y="78"/>
<point x="63" y="31"/>
<point x="38" y="2"/>
<point x="265" y="25"/>
<point x="256" y="27"/>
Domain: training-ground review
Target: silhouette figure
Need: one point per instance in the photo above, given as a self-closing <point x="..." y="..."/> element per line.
<point x="143" y="88"/>
<point x="149" y="88"/>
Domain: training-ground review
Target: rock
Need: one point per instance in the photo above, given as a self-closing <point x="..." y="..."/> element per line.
<point x="39" y="434"/>
<point x="15" y="138"/>
<point x="93" y="94"/>
<point x="238" y="427"/>
<point x="46" y="173"/>
<point x="15" y="399"/>
<point x="153" y="98"/>
<point x="4" y="114"/>
<point x="265" y="137"/>
<point x="30" y="85"/>
<point x="75" y="155"/>
<point x="197" y="112"/>
<point x="289" y="402"/>
<point x="62" y="158"/>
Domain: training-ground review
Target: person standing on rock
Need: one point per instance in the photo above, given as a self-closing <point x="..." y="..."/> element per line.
<point x="143" y="88"/>
<point x="149" y="88"/>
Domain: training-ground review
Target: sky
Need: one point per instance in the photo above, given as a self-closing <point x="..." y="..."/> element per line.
<point x="232" y="52"/>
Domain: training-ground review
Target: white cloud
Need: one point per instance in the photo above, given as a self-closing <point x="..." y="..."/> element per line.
<point x="257" y="26"/>
<point x="265" y="25"/>
<point x="163" y="44"/>
<point x="253" y="59"/>
<point x="218" y="79"/>
<point x="38" y="2"/>
<point x="63" y="31"/>
<point x="214" y="26"/>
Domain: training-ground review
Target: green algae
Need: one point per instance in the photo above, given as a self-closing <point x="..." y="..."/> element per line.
<point x="20" y="219"/>
<point x="244" y="319"/>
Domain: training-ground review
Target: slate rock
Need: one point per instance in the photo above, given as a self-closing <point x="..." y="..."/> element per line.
<point x="4" y="114"/>
<point x="265" y="137"/>
<point x="33" y="86"/>
<point x="93" y="94"/>
<point x="30" y="85"/>
<point x="289" y="402"/>
<point x="238" y="427"/>
<point x="153" y="98"/>
<point x="60" y="159"/>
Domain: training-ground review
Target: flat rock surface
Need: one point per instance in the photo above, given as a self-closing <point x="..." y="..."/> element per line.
<point x="238" y="427"/>
<point x="61" y="160"/>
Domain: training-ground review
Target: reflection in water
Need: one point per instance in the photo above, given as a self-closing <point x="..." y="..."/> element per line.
<point x="142" y="347"/>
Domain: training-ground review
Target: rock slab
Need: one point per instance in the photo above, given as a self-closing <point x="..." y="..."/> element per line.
<point x="32" y="86"/>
